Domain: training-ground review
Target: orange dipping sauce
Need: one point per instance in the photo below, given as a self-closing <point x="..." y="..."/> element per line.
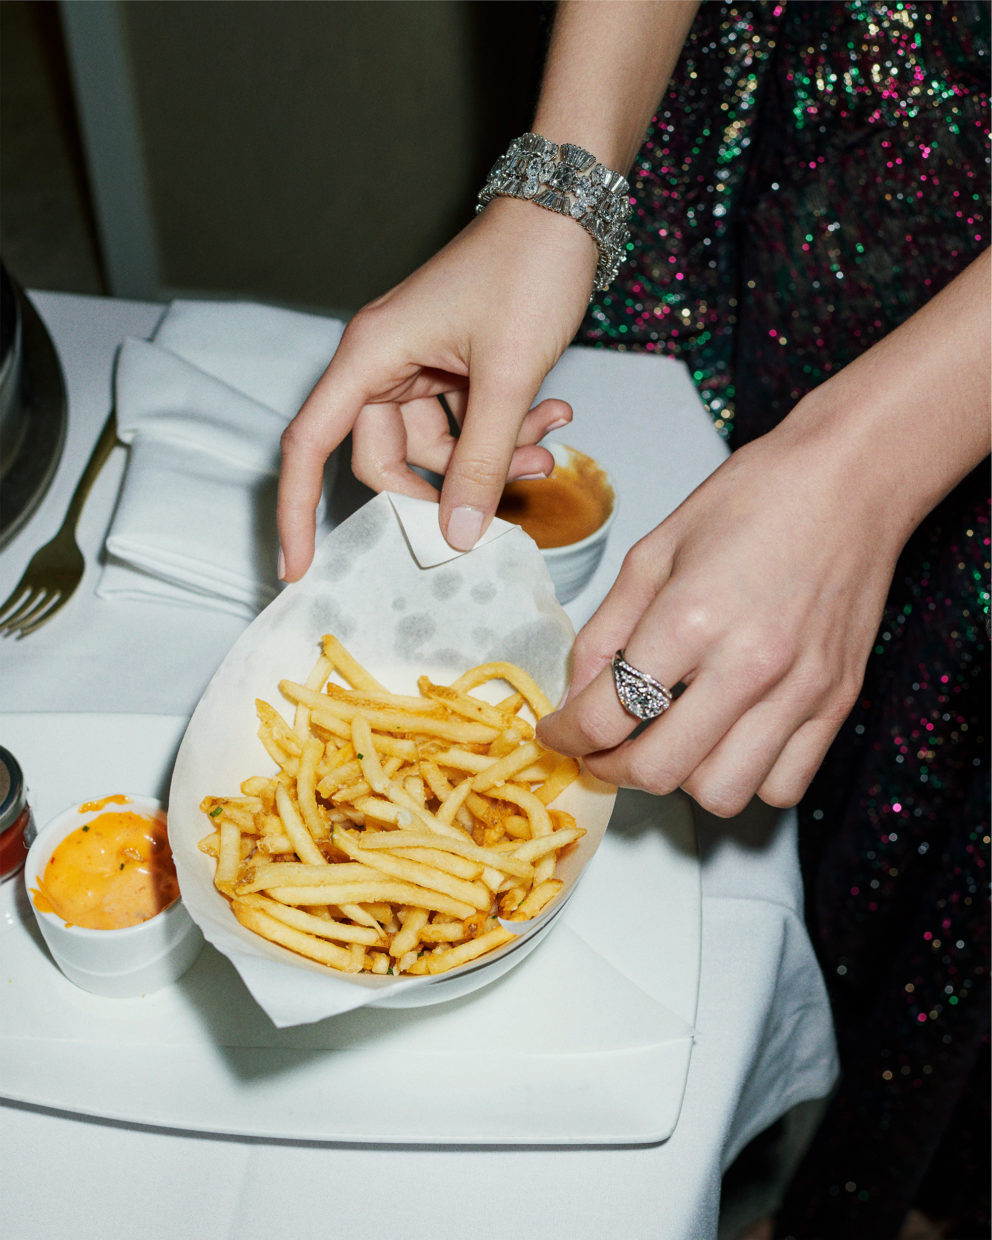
<point x="114" y="871"/>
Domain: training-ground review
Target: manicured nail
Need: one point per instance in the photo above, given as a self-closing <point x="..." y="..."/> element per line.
<point x="281" y="566"/>
<point x="464" y="528"/>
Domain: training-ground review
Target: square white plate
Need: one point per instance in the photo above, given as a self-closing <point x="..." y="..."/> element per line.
<point x="586" y="1042"/>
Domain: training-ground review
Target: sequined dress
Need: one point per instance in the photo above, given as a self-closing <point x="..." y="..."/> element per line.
<point x="816" y="172"/>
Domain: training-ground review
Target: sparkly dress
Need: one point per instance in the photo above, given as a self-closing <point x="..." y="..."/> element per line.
<point x="816" y="172"/>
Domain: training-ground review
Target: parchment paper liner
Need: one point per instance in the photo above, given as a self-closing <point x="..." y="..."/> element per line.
<point x="387" y="584"/>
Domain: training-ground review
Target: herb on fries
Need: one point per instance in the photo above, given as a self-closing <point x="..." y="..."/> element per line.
<point x="398" y="830"/>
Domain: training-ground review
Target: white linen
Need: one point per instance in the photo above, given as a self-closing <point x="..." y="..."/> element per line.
<point x="177" y="1185"/>
<point x="202" y="408"/>
<point x="763" y="1037"/>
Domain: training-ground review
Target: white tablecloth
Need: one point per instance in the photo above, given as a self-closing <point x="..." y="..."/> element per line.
<point x="763" y="1039"/>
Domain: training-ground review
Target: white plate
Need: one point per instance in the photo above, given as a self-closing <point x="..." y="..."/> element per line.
<point x="586" y="1042"/>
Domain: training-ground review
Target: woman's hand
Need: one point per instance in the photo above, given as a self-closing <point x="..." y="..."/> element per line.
<point x="763" y="591"/>
<point x="761" y="594"/>
<point x="483" y="322"/>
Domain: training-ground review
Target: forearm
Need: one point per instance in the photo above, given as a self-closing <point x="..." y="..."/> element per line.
<point x="608" y="65"/>
<point x="911" y="417"/>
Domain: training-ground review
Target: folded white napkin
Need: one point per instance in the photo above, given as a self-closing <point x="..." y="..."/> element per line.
<point x="202" y="407"/>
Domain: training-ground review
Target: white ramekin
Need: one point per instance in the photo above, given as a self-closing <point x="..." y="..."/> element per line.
<point x="118" y="964"/>
<point x="572" y="566"/>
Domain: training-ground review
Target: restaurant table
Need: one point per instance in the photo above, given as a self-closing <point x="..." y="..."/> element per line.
<point x="762" y="1039"/>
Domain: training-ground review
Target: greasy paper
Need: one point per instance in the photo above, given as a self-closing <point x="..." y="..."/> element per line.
<point x="376" y="584"/>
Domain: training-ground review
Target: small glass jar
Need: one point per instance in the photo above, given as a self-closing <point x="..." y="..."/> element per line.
<point x="16" y="821"/>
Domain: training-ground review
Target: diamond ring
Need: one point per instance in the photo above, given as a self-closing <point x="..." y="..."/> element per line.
<point x="640" y="694"/>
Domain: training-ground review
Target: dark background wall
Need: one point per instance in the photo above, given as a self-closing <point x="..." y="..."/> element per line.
<point x="309" y="152"/>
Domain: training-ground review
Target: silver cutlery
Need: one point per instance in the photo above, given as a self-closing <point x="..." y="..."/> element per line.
<point x="56" y="569"/>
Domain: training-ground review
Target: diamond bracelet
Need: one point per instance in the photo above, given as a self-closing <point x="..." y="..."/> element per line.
<point x="568" y="180"/>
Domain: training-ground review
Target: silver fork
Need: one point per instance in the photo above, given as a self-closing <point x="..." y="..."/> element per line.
<point x="56" y="568"/>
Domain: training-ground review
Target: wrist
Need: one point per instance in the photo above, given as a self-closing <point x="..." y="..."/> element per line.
<point x="538" y="258"/>
<point x="911" y="415"/>
<point x="515" y="216"/>
<point x="873" y="457"/>
<point x="569" y="181"/>
<point x="599" y="134"/>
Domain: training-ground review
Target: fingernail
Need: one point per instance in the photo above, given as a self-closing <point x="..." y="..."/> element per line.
<point x="281" y="566"/>
<point x="557" y="425"/>
<point x="464" y="528"/>
<point x="527" y="477"/>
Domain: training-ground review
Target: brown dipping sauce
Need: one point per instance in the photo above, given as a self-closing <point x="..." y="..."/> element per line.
<point x="569" y="505"/>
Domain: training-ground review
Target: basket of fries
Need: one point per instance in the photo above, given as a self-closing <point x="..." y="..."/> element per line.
<point x="373" y="821"/>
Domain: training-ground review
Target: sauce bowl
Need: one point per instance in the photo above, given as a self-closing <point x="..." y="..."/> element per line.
<point x="120" y="963"/>
<point x="569" y="515"/>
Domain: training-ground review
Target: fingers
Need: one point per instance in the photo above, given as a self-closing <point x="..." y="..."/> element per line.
<point x="307" y="442"/>
<point x="499" y="400"/>
<point x="800" y="759"/>
<point x="431" y="440"/>
<point x="727" y="778"/>
<point x="664" y="755"/>
<point x="369" y="366"/>
<point x="529" y="459"/>
<point x="388" y="437"/>
<point x="645" y="570"/>
<point x="548" y="415"/>
<point x="592" y="720"/>
<point x="745" y="722"/>
<point x="591" y="716"/>
<point x="379" y="451"/>
<point x="730" y="734"/>
<point x="776" y="747"/>
<point x="722" y="744"/>
<point x="765" y="753"/>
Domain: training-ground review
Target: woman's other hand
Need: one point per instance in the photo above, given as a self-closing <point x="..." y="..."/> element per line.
<point x="762" y="597"/>
<point x="762" y="593"/>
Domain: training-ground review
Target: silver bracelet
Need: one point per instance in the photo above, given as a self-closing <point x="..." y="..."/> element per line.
<point x="568" y="180"/>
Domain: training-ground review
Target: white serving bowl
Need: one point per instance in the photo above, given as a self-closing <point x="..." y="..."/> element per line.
<point x="118" y="964"/>
<point x="572" y="566"/>
<point x="367" y="582"/>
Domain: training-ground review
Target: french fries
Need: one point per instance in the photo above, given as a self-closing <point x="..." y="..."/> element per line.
<point x="397" y="831"/>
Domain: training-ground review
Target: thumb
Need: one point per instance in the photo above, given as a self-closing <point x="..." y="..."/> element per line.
<point x="498" y="402"/>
